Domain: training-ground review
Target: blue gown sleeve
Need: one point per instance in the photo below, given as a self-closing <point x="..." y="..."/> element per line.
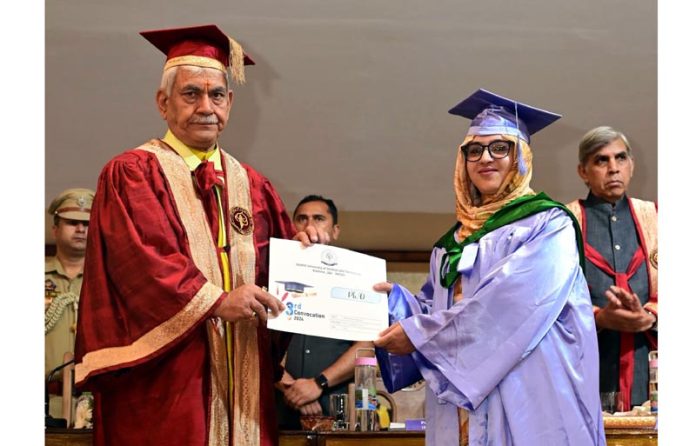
<point x="399" y="371"/>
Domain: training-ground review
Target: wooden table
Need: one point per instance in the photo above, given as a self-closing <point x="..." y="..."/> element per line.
<point x="615" y="437"/>
<point x="56" y="436"/>
<point x="631" y="437"/>
<point x="385" y="438"/>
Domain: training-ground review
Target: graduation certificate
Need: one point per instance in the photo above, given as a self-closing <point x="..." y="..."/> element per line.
<point x="327" y="291"/>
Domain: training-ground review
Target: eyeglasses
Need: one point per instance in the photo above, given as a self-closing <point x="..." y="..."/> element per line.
<point x="496" y="149"/>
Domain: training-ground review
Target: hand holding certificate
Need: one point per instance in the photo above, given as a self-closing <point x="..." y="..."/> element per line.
<point x="327" y="291"/>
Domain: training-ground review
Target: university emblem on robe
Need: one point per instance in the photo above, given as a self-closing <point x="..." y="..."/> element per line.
<point x="653" y="258"/>
<point x="241" y="220"/>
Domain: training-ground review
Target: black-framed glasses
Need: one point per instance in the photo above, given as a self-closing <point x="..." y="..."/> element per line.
<point x="497" y="149"/>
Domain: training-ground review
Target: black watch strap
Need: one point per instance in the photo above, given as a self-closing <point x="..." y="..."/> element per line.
<point x="322" y="382"/>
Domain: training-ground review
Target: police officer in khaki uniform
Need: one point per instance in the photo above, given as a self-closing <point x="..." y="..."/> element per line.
<point x="70" y="211"/>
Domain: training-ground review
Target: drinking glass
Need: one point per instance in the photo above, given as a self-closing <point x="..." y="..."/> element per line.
<point x="338" y="407"/>
<point x="611" y="402"/>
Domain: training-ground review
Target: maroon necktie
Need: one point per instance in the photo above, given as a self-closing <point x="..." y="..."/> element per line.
<point x="206" y="178"/>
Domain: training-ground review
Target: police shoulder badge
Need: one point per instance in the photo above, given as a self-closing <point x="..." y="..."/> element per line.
<point x="51" y="288"/>
<point x="241" y="220"/>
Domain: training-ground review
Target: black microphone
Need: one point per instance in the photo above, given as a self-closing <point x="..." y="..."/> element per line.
<point x="50" y="421"/>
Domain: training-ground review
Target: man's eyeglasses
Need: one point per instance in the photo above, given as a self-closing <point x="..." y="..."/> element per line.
<point x="496" y="149"/>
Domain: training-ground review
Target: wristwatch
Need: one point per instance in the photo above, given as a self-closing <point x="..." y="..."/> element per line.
<point x="322" y="382"/>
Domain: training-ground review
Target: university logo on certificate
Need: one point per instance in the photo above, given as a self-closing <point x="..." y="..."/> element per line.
<point x="327" y="291"/>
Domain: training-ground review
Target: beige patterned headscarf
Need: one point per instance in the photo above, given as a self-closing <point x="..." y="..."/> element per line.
<point x="471" y="211"/>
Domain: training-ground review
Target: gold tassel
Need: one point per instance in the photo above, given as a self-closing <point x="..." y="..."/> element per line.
<point x="237" y="62"/>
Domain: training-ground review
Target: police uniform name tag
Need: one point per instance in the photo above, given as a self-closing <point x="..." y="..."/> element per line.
<point x="327" y="291"/>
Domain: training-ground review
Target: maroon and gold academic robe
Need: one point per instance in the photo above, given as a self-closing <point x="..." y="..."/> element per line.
<point x="147" y="344"/>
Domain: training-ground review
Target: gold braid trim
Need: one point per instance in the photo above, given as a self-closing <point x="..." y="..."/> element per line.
<point x="219" y="430"/>
<point x="463" y="416"/>
<point x="646" y="214"/>
<point x="245" y="350"/>
<point x="196" y="61"/>
<point x="574" y="207"/>
<point x="237" y="62"/>
<point x="57" y="307"/>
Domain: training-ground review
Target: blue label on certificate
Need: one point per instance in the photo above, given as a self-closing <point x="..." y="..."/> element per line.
<point x="356" y="295"/>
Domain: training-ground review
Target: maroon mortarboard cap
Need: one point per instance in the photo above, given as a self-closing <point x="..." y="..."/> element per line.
<point x="202" y="46"/>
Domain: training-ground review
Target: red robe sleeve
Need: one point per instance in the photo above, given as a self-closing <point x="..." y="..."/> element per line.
<point x="141" y="292"/>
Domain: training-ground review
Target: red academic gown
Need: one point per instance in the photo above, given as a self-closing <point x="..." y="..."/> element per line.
<point x="143" y="340"/>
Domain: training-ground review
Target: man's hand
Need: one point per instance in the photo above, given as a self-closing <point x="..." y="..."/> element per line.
<point x="301" y="392"/>
<point x="285" y="382"/>
<point x="312" y="235"/>
<point x="313" y="408"/>
<point x="394" y="340"/>
<point x="296" y="390"/>
<point x="623" y="312"/>
<point x="248" y="301"/>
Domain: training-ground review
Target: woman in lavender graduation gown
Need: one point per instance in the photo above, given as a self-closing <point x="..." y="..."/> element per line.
<point x="502" y="330"/>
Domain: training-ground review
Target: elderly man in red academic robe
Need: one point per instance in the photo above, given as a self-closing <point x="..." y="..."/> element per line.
<point x="172" y="336"/>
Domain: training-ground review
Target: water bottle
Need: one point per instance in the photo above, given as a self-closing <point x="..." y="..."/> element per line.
<point x="652" y="364"/>
<point x="366" y="391"/>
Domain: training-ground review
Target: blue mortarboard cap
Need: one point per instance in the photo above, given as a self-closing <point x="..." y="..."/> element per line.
<point x="492" y="114"/>
<point x="295" y="287"/>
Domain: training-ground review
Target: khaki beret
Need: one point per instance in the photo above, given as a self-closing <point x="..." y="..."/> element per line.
<point x="73" y="204"/>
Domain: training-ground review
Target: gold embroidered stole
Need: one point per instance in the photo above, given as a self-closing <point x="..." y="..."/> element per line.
<point x="462" y="414"/>
<point x="646" y="214"/>
<point x="246" y="370"/>
<point x="463" y="417"/>
<point x="244" y="410"/>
